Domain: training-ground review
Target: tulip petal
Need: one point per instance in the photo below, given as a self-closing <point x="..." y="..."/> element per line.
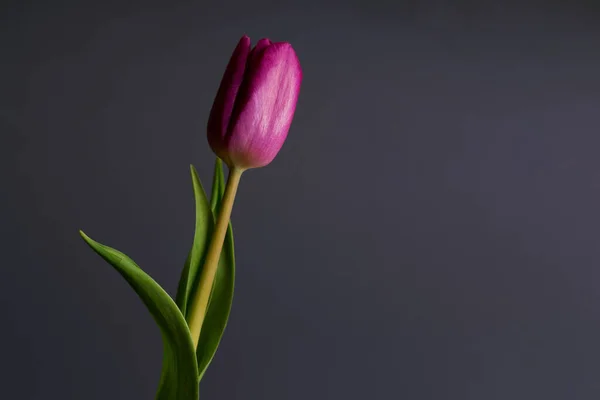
<point x="258" y="49"/>
<point x="265" y="106"/>
<point x="225" y="99"/>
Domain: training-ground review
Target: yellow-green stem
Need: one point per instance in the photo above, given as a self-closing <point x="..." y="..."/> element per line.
<point x="211" y="262"/>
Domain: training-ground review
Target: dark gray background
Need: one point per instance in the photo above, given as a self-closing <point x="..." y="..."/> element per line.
<point x="429" y="230"/>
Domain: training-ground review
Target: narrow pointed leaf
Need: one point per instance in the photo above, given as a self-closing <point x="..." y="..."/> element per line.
<point x="221" y="297"/>
<point x="179" y="378"/>
<point x="219" y="306"/>
<point x="218" y="186"/>
<point x="203" y="230"/>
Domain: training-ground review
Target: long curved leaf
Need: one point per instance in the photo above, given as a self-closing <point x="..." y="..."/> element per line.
<point x="221" y="297"/>
<point x="203" y="229"/>
<point x="179" y="378"/>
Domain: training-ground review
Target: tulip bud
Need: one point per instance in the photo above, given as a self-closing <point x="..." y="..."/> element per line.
<point x="255" y="104"/>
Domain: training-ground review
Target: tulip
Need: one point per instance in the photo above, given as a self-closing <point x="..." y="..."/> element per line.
<point x="255" y="104"/>
<point x="248" y="123"/>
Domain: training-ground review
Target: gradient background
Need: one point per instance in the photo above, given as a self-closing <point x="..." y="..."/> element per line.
<point x="429" y="230"/>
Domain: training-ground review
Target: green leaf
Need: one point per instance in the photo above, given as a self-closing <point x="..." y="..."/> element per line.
<point x="221" y="297"/>
<point x="179" y="378"/>
<point x="219" y="306"/>
<point x="218" y="187"/>
<point x="203" y="230"/>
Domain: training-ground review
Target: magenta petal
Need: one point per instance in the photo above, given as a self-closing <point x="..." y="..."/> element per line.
<point x="225" y="99"/>
<point x="258" y="49"/>
<point x="265" y="106"/>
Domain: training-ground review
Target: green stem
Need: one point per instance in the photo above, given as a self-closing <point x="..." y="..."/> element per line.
<point x="211" y="262"/>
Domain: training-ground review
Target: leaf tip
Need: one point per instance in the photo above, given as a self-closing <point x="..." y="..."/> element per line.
<point x="86" y="238"/>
